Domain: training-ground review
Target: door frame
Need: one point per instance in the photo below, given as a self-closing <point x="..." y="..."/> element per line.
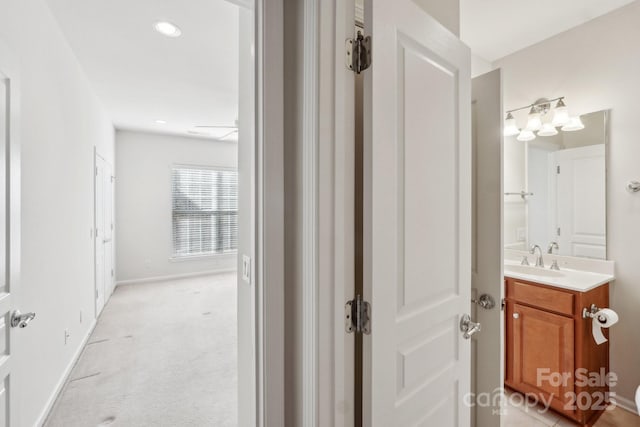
<point x="328" y="150"/>
<point x="269" y="316"/>
<point x="333" y="350"/>
<point x="10" y="67"/>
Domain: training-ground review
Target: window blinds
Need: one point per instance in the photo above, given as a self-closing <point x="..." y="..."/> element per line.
<point x="205" y="211"/>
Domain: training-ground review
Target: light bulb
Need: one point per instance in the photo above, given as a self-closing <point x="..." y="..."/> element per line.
<point x="535" y="121"/>
<point x="547" y="130"/>
<point x="560" y="114"/>
<point x="510" y="126"/>
<point x="526" y="135"/>
<point x="573" y="124"/>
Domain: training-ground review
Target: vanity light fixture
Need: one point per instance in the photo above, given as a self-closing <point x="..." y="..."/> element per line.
<point x="526" y="135"/>
<point x="560" y="114"/>
<point x="534" y="120"/>
<point x="537" y="111"/>
<point x="547" y="130"/>
<point x="167" y="29"/>
<point x="510" y="126"/>
<point x="574" y="123"/>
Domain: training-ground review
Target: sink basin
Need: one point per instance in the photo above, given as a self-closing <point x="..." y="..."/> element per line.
<point x="533" y="271"/>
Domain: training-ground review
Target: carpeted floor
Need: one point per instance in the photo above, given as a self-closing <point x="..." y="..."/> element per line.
<point x="162" y="354"/>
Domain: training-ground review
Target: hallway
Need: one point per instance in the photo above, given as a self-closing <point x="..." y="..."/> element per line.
<point x="162" y="354"/>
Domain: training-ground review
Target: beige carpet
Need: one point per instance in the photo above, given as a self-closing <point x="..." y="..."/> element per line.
<point x="162" y="354"/>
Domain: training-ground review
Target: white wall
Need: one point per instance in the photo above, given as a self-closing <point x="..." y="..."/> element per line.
<point x="61" y="121"/>
<point x="596" y="67"/>
<point x="479" y="66"/>
<point x="143" y="202"/>
<point x="447" y="12"/>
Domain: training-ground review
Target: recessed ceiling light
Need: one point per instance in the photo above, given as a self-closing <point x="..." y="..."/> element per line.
<point x="161" y="122"/>
<point x="167" y="29"/>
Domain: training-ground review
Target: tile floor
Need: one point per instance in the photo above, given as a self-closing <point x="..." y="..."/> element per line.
<point x="518" y="414"/>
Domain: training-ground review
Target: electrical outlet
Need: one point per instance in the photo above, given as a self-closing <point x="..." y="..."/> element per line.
<point x="246" y="268"/>
<point x="67" y="335"/>
<point x="521" y="234"/>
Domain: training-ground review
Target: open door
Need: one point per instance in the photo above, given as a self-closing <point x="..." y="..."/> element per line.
<point x="12" y="320"/>
<point x="487" y="263"/>
<point x="417" y="220"/>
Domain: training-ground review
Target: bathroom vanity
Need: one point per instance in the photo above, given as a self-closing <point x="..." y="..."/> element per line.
<point x="550" y="350"/>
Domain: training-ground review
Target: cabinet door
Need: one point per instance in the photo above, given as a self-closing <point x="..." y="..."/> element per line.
<point x="543" y="355"/>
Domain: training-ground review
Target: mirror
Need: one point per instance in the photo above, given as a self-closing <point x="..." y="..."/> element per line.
<point x="555" y="190"/>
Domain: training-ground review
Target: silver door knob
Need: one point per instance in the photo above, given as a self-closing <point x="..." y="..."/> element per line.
<point x="516" y="315"/>
<point x="21" y="320"/>
<point x="467" y="327"/>
<point x="485" y="301"/>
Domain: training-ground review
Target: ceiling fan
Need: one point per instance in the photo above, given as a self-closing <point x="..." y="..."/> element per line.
<point x="231" y="130"/>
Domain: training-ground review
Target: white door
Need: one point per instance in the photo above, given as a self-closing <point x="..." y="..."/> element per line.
<point x="487" y="263"/>
<point x="417" y="219"/>
<point x="103" y="232"/>
<point x="108" y="226"/>
<point x="9" y="239"/>
<point x="99" y="236"/>
<point x="581" y="201"/>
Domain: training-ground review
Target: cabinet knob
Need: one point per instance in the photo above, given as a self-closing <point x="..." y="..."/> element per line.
<point x="516" y="315"/>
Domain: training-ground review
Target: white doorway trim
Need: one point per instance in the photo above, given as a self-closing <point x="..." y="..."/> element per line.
<point x="310" y="214"/>
<point x="270" y="213"/>
<point x="335" y="187"/>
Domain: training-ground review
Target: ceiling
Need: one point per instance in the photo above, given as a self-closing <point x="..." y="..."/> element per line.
<point x="494" y="29"/>
<point x="141" y="76"/>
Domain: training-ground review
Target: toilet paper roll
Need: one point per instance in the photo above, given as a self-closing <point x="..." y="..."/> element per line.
<point x="604" y="318"/>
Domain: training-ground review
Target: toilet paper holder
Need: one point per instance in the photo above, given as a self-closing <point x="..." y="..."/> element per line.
<point x="590" y="313"/>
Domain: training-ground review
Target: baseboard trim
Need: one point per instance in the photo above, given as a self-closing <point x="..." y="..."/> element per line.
<point x="625" y="403"/>
<point x="64" y="378"/>
<point x="174" y="277"/>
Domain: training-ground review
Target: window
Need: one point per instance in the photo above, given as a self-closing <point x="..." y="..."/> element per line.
<point x="205" y="211"/>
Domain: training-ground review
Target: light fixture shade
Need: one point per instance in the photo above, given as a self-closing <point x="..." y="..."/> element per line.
<point x="547" y="130"/>
<point x="535" y="120"/>
<point x="510" y="126"/>
<point x="526" y="135"/>
<point x="560" y="114"/>
<point x="573" y="124"/>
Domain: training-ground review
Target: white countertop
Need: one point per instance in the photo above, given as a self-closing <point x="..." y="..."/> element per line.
<point x="575" y="280"/>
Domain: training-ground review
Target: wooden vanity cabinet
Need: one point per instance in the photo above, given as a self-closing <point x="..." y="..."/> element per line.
<point x="546" y="337"/>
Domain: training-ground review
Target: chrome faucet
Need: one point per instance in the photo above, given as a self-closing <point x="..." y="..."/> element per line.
<point x="539" y="260"/>
<point x="552" y="246"/>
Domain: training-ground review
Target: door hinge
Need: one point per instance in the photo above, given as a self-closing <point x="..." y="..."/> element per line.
<point x="503" y="304"/>
<point x="558" y="170"/>
<point x="357" y="315"/>
<point x="96" y="293"/>
<point x="112" y="272"/>
<point x="358" y="53"/>
<point x="558" y="231"/>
